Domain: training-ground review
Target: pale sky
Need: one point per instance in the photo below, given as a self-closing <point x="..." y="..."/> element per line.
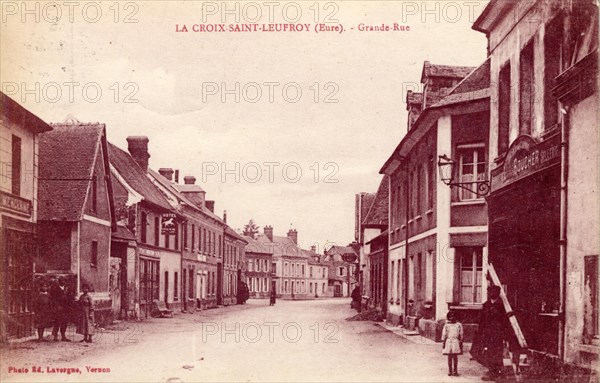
<point x="178" y="80"/>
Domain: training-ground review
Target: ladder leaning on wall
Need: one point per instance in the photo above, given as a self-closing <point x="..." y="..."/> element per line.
<point x="515" y="359"/>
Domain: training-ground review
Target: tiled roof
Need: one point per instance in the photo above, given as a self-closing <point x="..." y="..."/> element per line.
<point x="67" y="156"/>
<point x="232" y="233"/>
<point x="434" y="70"/>
<point x="136" y="177"/>
<point x="188" y="188"/>
<point x="477" y="80"/>
<point x="378" y="213"/>
<point x="123" y="233"/>
<point x="280" y="246"/>
<point x="255" y="246"/>
<point x="21" y="116"/>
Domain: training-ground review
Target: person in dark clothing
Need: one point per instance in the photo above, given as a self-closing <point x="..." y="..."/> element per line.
<point x="243" y="293"/>
<point x="85" y="326"/>
<point x="273" y="298"/>
<point x="61" y="301"/>
<point x="356" y="298"/>
<point x="488" y="345"/>
<point x="43" y="311"/>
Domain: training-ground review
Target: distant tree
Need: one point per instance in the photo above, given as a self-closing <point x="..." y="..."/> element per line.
<point x="250" y="229"/>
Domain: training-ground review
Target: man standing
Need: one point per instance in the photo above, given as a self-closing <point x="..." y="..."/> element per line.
<point x="488" y="347"/>
<point x="61" y="302"/>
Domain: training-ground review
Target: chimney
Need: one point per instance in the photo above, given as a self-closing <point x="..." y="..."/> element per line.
<point x="313" y="248"/>
<point x="189" y="180"/>
<point x="225" y="216"/>
<point x="269" y="232"/>
<point x="167" y="173"/>
<point x="177" y="176"/>
<point x="293" y="235"/>
<point x="210" y="205"/>
<point x="138" y="148"/>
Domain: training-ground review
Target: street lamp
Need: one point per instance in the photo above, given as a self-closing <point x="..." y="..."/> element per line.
<point x="447" y="168"/>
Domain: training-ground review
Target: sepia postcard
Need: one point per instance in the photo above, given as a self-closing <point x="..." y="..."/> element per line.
<point x="299" y="191"/>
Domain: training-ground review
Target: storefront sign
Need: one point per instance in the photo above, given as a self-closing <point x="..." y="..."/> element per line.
<point x="15" y="204"/>
<point x="524" y="158"/>
<point x="168" y="225"/>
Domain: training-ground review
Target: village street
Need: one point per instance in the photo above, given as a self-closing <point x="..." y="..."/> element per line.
<point x="292" y="341"/>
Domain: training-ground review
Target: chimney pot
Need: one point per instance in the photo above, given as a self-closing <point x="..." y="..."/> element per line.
<point x="176" y="176"/>
<point x="268" y="230"/>
<point x="293" y="235"/>
<point x="189" y="180"/>
<point x="138" y="148"/>
<point x="167" y="173"/>
<point x="225" y="216"/>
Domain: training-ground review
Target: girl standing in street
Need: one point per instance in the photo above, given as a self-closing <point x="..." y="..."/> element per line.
<point x="86" y="323"/>
<point x="452" y="338"/>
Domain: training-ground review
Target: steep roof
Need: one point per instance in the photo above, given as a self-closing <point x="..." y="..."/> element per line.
<point x="254" y="246"/>
<point x="435" y="70"/>
<point x="234" y="234"/>
<point x="21" y="116"/>
<point x="378" y="213"/>
<point x="67" y="155"/>
<point x="136" y="177"/>
<point x="279" y="246"/>
<point x="472" y="90"/>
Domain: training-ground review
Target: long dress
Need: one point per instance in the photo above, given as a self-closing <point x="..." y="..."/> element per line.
<point x="43" y="311"/>
<point x="452" y="334"/>
<point x="86" y="321"/>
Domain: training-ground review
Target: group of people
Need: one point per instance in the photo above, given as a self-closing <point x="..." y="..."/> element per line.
<point x="488" y="345"/>
<point x="56" y="307"/>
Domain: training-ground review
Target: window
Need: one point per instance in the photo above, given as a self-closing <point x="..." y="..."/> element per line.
<point x="273" y="267"/>
<point x="144" y="227"/>
<point x="419" y="273"/>
<point x="310" y="287"/>
<point x="429" y="276"/>
<point x="149" y="280"/>
<point x="411" y="278"/>
<point x="590" y="291"/>
<point x="323" y="287"/>
<point x="94" y="254"/>
<point x="471" y="267"/>
<point x="185" y="236"/>
<point x="391" y="279"/>
<point x="167" y="240"/>
<point x="191" y="286"/>
<point x="203" y="241"/>
<point x="310" y="272"/>
<point x="156" y="231"/>
<point x="303" y="271"/>
<point x="250" y="265"/>
<point x="472" y="169"/>
<point x="430" y="182"/>
<point x="419" y="191"/>
<point x="341" y="272"/>
<point x="503" y="109"/>
<point x="175" y="287"/>
<point x="412" y="194"/>
<point x="16" y="166"/>
<point x="193" y="237"/>
<point x="552" y="53"/>
<point x="526" y="89"/>
<point x="219" y="247"/>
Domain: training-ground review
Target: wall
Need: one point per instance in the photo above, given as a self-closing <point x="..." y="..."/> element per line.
<point x="582" y="218"/>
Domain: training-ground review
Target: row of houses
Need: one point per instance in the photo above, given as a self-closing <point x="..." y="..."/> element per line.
<point x="497" y="175"/>
<point x="77" y="206"/>
<point x="278" y="263"/>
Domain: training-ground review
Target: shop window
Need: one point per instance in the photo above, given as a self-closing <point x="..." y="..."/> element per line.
<point x="590" y="332"/>
<point x="94" y="254"/>
<point x="16" y="165"/>
<point x="504" y="109"/>
<point x="471" y="269"/>
<point x="526" y="87"/>
<point x="472" y="168"/>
